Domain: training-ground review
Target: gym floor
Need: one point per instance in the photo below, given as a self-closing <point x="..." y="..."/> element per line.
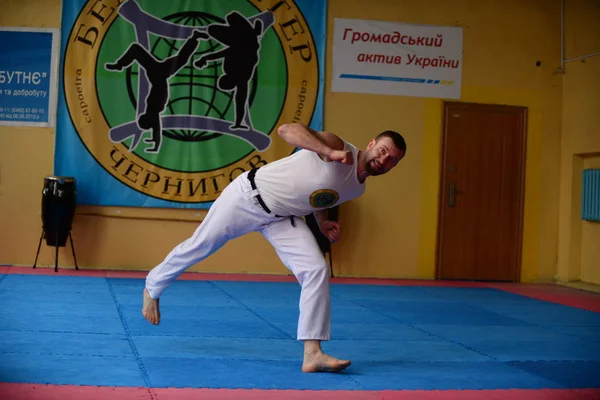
<point x="80" y="334"/>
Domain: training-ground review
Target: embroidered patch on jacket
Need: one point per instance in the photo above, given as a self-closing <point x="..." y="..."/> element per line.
<point x="324" y="198"/>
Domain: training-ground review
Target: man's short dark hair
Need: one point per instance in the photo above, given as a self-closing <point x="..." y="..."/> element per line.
<point x="397" y="138"/>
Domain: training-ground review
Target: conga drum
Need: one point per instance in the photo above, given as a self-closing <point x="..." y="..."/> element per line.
<point x="58" y="209"/>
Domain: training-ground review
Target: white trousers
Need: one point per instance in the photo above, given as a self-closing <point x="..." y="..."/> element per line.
<point x="235" y="213"/>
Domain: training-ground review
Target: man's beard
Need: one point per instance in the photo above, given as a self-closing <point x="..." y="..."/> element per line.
<point x="371" y="168"/>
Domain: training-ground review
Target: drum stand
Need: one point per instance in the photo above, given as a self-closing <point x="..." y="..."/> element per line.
<point x="56" y="254"/>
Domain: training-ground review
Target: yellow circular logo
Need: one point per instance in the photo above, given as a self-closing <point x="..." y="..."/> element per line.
<point x="175" y="101"/>
<point x="324" y="198"/>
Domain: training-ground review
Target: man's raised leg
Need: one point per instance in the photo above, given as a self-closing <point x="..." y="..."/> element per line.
<point x="299" y="251"/>
<point x="230" y="216"/>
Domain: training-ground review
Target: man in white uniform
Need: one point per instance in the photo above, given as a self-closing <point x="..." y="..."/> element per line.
<point x="272" y="200"/>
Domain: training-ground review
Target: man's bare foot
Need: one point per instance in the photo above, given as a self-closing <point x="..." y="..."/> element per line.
<point x="317" y="361"/>
<point x="321" y="362"/>
<point x="150" y="309"/>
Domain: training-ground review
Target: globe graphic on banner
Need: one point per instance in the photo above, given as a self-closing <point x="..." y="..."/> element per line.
<point x="175" y="99"/>
<point x="214" y="102"/>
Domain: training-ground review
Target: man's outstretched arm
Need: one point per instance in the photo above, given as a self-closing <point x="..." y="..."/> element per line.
<point x="328" y="145"/>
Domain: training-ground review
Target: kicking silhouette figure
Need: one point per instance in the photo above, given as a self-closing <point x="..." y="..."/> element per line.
<point x="240" y="58"/>
<point x="158" y="73"/>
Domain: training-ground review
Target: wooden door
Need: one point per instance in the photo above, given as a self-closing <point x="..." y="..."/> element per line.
<point x="482" y="192"/>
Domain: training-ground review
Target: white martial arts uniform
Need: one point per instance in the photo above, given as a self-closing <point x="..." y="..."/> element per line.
<point x="296" y="185"/>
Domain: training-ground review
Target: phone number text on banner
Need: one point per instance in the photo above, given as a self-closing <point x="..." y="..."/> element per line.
<point x="390" y="58"/>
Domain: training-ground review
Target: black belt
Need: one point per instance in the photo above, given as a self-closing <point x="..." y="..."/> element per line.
<point x="251" y="176"/>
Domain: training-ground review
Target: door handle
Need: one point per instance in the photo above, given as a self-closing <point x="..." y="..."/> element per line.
<point x="452" y="195"/>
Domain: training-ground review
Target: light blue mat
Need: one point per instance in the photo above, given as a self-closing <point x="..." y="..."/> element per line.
<point x="223" y="334"/>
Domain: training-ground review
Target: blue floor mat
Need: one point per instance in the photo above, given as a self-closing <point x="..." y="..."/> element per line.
<point x="225" y="334"/>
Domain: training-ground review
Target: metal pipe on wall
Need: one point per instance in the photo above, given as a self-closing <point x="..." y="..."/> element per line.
<point x="562" y="41"/>
<point x="582" y="57"/>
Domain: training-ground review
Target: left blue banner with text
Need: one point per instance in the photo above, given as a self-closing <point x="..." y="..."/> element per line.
<point x="28" y="82"/>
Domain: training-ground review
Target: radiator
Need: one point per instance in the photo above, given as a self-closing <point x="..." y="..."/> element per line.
<point x="590" y="196"/>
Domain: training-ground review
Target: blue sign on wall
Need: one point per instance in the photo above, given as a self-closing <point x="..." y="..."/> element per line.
<point x="28" y="67"/>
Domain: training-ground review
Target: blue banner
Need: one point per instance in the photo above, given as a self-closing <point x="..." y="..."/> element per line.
<point x="164" y="103"/>
<point x="28" y="63"/>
